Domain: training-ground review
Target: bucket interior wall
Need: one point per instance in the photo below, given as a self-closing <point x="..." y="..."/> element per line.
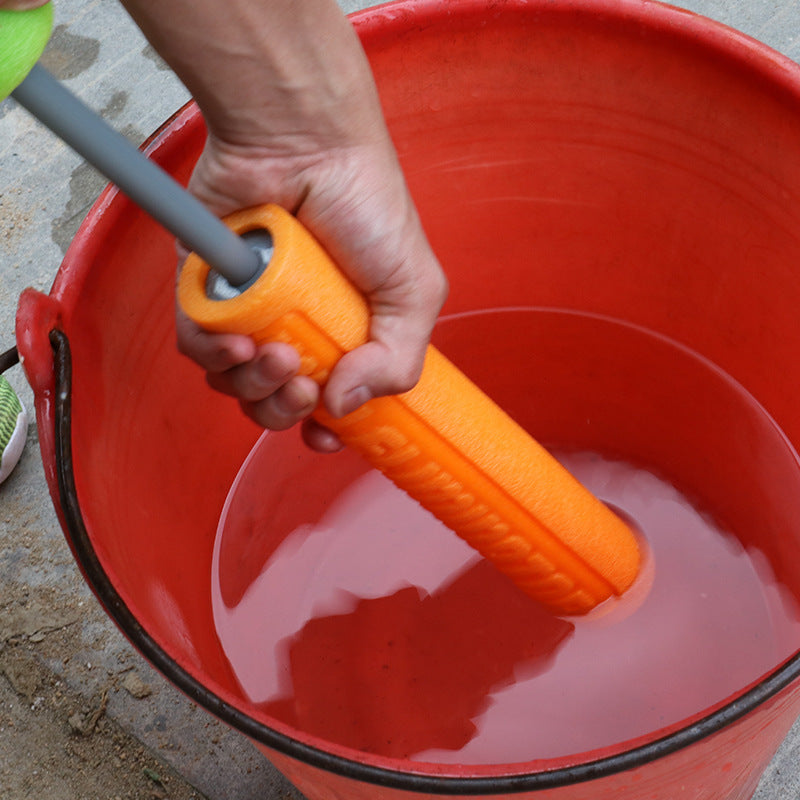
<point x="560" y="157"/>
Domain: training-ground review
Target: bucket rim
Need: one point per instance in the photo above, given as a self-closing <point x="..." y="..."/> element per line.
<point x="776" y="70"/>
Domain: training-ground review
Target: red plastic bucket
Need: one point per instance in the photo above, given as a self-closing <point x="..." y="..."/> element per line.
<point x="624" y="160"/>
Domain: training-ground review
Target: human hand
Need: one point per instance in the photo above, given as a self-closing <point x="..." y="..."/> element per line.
<point x="294" y="119"/>
<point x="356" y="204"/>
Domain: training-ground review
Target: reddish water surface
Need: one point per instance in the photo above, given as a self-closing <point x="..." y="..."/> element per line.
<point x="350" y="613"/>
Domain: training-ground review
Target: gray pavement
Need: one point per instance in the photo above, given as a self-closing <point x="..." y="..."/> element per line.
<point x="45" y="191"/>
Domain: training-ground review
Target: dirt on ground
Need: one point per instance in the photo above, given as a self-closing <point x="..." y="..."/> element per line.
<point x="58" y="745"/>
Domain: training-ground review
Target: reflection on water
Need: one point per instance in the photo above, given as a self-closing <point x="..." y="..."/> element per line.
<point x="382" y="676"/>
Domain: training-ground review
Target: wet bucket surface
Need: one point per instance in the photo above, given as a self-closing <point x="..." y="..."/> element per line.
<point x="619" y="160"/>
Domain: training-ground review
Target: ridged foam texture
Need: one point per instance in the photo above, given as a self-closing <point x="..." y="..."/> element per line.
<point x="23" y="36"/>
<point x="445" y="442"/>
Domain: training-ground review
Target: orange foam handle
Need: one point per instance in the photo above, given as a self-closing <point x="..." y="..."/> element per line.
<point x="444" y="442"/>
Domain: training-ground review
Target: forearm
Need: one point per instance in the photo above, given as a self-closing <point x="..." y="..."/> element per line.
<point x="267" y="72"/>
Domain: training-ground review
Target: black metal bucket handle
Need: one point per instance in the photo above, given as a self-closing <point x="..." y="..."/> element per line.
<point x="8" y="359"/>
<point x="413" y="782"/>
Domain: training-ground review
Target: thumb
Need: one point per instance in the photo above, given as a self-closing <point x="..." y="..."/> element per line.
<point x="390" y="362"/>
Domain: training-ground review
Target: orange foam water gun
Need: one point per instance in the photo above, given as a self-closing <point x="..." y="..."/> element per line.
<point x="444" y="442"/>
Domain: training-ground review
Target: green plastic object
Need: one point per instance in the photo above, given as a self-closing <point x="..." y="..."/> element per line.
<point x="23" y="36"/>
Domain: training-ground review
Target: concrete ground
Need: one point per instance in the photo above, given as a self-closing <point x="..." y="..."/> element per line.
<point x="82" y="715"/>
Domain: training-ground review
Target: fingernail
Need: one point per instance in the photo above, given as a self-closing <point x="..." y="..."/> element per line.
<point x="354" y="399"/>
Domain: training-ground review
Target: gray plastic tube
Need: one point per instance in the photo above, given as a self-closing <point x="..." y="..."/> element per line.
<point x="144" y="182"/>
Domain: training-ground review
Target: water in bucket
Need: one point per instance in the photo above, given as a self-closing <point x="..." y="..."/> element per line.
<point x="350" y="613"/>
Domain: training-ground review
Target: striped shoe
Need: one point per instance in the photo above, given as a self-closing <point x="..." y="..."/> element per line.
<point x="13" y="428"/>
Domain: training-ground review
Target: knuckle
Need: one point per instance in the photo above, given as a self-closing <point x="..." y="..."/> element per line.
<point x="441" y="288"/>
<point x="405" y="377"/>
